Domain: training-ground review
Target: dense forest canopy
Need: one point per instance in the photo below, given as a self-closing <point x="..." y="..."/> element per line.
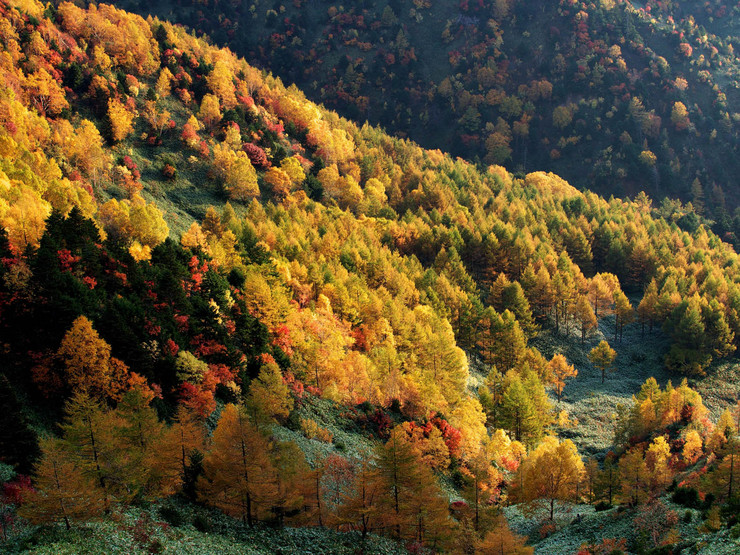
<point x="615" y="96"/>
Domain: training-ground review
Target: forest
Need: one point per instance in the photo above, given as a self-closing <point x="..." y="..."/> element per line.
<point x="233" y="321"/>
<point x="612" y="95"/>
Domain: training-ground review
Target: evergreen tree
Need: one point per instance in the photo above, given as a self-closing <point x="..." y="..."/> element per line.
<point x="18" y="443"/>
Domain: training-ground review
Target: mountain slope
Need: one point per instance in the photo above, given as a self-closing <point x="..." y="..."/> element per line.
<point x="194" y="249"/>
<point x="616" y="97"/>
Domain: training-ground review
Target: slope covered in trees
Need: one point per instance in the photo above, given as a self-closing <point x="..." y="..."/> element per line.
<point x="213" y="288"/>
<point x="615" y="96"/>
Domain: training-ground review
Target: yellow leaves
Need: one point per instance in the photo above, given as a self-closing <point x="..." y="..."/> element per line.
<point x="552" y="472"/>
<point x="562" y="116"/>
<point x="134" y="220"/>
<point x="293" y="168"/>
<point x="46" y="93"/>
<point x="126" y="38"/>
<point x="648" y="158"/>
<point x="162" y="87"/>
<point x="140" y="252"/>
<point x="547" y="182"/>
<point x="23" y="213"/>
<point x="87" y="362"/>
<point x="279" y="181"/>
<point x="210" y="110"/>
<point x="238" y="175"/>
<point x="344" y="189"/>
<point x="121" y="119"/>
<point x="221" y="83"/>
<point x="680" y="116"/>
<point x="560" y="370"/>
<point x="469" y="418"/>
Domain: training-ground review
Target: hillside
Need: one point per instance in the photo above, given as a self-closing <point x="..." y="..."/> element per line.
<point x="220" y="302"/>
<point x="615" y="96"/>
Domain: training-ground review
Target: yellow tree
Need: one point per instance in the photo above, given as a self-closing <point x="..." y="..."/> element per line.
<point x="269" y="396"/>
<point x="502" y="541"/>
<point x="210" y="110"/>
<point x="657" y="458"/>
<point x="633" y="476"/>
<point x="585" y="316"/>
<point x="560" y="370"/>
<point x="413" y="506"/>
<point x="692" y="447"/>
<point x="238" y="175"/>
<point x="602" y="356"/>
<point x="173" y="453"/>
<point x="121" y="119"/>
<point x="87" y="362"/>
<point x="62" y="490"/>
<point x="551" y="472"/>
<point x="238" y="476"/>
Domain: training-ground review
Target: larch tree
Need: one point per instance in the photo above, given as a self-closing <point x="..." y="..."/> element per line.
<point x="623" y="311"/>
<point x="633" y="476"/>
<point x="561" y="370"/>
<point x="602" y="356"/>
<point x="239" y="477"/>
<point x="502" y="541"/>
<point x="360" y="506"/>
<point x="88" y="435"/>
<point x="647" y="309"/>
<point x="269" y="396"/>
<point x="585" y="316"/>
<point x="692" y="447"/>
<point x="291" y="479"/>
<point x="62" y="490"/>
<point x="87" y="362"/>
<point x="121" y="120"/>
<point x="552" y="472"/>
<point x="172" y="457"/>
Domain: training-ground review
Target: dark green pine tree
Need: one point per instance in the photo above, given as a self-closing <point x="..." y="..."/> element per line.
<point x="18" y="442"/>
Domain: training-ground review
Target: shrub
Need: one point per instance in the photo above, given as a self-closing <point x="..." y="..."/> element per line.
<point x="688" y="497"/>
<point x="171" y="515"/>
<point x="202" y="523"/>
<point x="602" y="506"/>
<point x="735" y="532"/>
<point x="688" y="516"/>
<point x="312" y="430"/>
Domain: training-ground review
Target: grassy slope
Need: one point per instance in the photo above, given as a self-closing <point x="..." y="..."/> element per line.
<point x="198" y="532"/>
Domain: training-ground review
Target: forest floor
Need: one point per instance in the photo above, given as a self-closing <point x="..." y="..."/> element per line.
<point x="592" y="405"/>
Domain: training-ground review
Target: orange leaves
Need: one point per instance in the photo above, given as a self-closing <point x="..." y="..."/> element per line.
<point x="45" y="93"/>
<point x="125" y="37"/>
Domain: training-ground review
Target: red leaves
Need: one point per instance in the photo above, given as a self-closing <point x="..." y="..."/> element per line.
<point x="451" y="435"/>
<point x="66" y="259"/>
<point x="171" y="348"/>
<point x="256" y="156"/>
<point x="197" y="400"/>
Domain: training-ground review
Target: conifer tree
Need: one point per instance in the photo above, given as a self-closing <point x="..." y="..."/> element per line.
<point x="561" y="370"/>
<point x="602" y="356"/>
<point x="552" y="472"/>
<point x="238" y="476"/>
<point x="63" y="491"/>
<point x="269" y="396"/>
<point x="502" y="541"/>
